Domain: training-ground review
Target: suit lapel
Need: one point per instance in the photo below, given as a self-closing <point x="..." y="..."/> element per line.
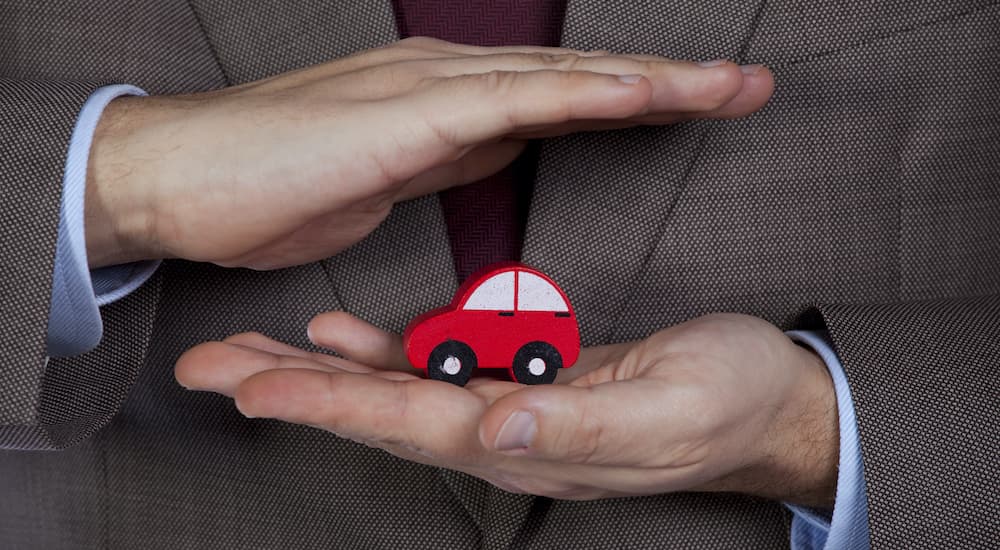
<point x="603" y="192"/>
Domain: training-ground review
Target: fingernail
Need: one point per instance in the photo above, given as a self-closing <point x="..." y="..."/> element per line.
<point x="630" y="78"/>
<point x="750" y="70"/>
<point x="712" y="63"/>
<point x="517" y="432"/>
<point x="240" y="409"/>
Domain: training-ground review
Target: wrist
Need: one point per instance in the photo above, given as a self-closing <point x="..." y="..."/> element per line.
<point x="803" y="449"/>
<point x="118" y="208"/>
<point x="795" y="459"/>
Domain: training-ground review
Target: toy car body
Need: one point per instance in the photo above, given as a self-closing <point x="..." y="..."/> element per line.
<point x="506" y="316"/>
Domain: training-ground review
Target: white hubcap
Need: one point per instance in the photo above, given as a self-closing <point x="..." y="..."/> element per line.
<point x="536" y="366"/>
<point x="451" y="365"/>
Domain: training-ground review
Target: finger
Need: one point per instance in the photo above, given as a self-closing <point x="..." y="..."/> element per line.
<point x="605" y="424"/>
<point x="435" y="418"/>
<point x="260" y="342"/>
<point x="756" y="90"/>
<point x="465" y="49"/>
<point x="472" y="109"/>
<point x="395" y="70"/>
<point x="358" y="340"/>
<point x="221" y="367"/>
<point x="410" y="49"/>
<point x="491" y="389"/>
<point x="457" y="49"/>
<point x="678" y="86"/>
<point x="447" y="117"/>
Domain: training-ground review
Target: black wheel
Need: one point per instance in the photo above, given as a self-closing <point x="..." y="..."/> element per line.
<point x="537" y="363"/>
<point x="452" y="361"/>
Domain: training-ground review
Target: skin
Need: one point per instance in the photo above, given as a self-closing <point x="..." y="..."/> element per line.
<point x="721" y="403"/>
<point x="298" y="167"/>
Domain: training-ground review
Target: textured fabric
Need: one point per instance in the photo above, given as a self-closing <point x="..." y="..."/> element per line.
<point x="74" y="320"/>
<point x="946" y="354"/>
<point x="870" y="178"/>
<point x="486" y="219"/>
<point x="848" y="526"/>
<point x="30" y="189"/>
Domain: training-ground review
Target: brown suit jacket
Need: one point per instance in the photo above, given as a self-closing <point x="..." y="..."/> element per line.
<point x="869" y="187"/>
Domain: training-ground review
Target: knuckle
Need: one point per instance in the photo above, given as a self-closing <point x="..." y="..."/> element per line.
<point x="558" y="61"/>
<point x="497" y="81"/>
<point x="649" y="67"/>
<point x="718" y="91"/>
<point x="583" y="441"/>
<point x="500" y="87"/>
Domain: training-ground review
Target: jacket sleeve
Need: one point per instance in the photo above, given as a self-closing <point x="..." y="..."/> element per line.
<point x="51" y="403"/>
<point x="925" y="380"/>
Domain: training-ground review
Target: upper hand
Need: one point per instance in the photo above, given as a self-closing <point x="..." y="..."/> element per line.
<point x="720" y="403"/>
<point x="297" y="167"/>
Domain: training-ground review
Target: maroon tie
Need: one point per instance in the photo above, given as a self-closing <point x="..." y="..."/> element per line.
<point x="486" y="219"/>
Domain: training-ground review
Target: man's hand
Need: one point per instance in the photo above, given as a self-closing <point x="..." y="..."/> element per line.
<point x="295" y="168"/>
<point x="720" y="403"/>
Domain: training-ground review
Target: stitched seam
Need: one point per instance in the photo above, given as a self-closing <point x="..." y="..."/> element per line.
<point x="898" y="190"/>
<point x="661" y="229"/>
<point x="887" y="36"/>
<point x="211" y="45"/>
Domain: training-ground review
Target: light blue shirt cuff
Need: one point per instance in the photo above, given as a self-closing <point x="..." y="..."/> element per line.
<point x="74" y="318"/>
<point x="847" y="527"/>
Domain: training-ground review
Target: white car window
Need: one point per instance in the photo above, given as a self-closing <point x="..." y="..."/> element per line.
<point x="536" y="294"/>
<point x="497" y="292"/>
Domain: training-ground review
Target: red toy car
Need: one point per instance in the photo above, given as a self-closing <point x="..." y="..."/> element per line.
<point x="508" y="316"/>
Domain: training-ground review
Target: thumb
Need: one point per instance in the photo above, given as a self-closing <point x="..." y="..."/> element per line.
<point x="605" y="424"/>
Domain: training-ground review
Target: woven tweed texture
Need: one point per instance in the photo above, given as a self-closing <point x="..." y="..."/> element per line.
<point x="867" y="185"/>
